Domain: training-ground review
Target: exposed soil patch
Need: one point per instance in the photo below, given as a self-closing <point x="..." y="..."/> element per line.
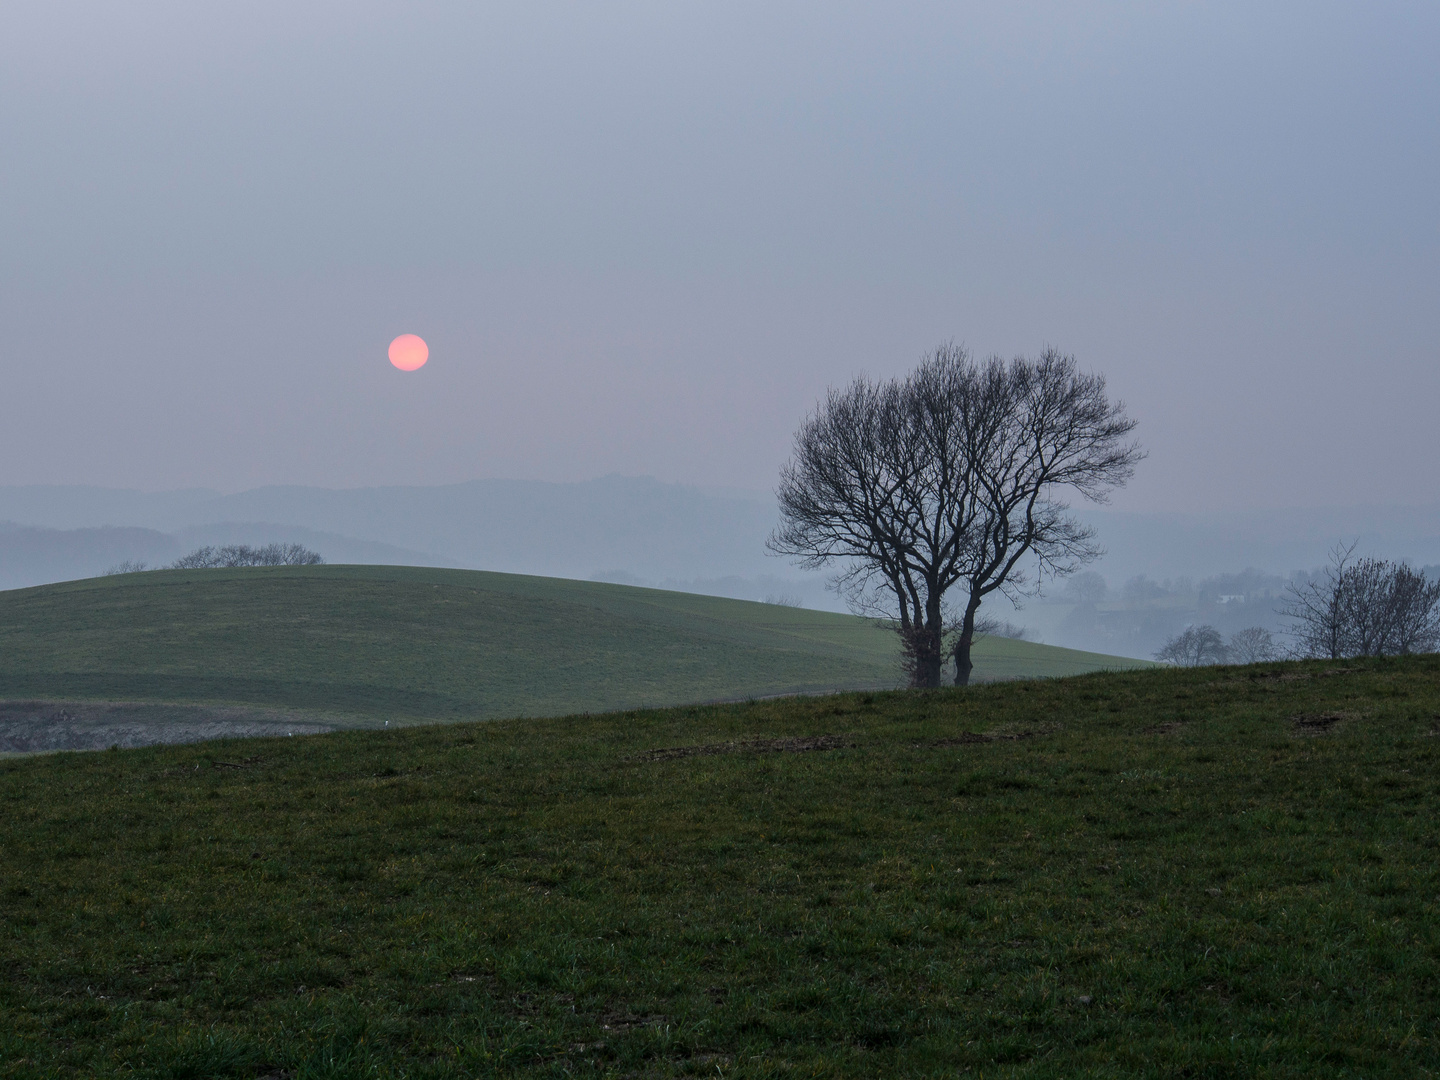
<point x="622" y="1021"/>
<point x="965" y="738"/>
<point x="1163" y="728"/>
<point x="1293" y="676"/>
<point x="1282" y="677"/>
<point x="1307" y="724"/>
<point x="28" y="727"/>
<point x="970" y="738"/>
<point x="799" y="744"/>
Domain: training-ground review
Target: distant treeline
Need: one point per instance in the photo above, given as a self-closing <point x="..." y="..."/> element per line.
<point x="209" y="558"/>
<point x="230" y="555"/>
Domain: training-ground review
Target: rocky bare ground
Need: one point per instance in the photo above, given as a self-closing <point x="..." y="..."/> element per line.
<point x="39" y="726"/>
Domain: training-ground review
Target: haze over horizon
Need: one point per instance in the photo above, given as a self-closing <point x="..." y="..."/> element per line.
<point x="644" y="239"/>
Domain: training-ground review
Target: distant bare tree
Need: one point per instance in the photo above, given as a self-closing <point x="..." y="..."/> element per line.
<point x="1414" y="623"/>
<point x="1195" y="646"/>
<point x="1253" y="645"/>
<point x="199" y="559"/>
<point x="1363" y="607"/>
<point x="231" y="555"/>
<point x="950" y="477"/>
<point x="1087" y="587"/>
<point x="1141" y="588"/>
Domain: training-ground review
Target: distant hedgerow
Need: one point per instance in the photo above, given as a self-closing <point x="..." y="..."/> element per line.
<point x="209" y="558"/>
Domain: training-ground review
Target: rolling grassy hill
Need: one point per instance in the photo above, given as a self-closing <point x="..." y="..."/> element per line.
<point x="1204" y="873"/>
<point x="363" y="644"/>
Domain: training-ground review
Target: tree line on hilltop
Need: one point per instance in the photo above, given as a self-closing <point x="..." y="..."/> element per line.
<point x="232" y="555"/>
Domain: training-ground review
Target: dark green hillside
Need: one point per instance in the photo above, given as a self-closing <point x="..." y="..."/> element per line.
<point x="1204" y="873"/>
<point x="406" y="643"/>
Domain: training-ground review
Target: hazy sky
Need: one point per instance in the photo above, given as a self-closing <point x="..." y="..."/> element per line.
<point x="643" y="238"/>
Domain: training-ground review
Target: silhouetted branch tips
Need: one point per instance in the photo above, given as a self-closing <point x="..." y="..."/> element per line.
<point x="951" y="477"/>
<point x="233" y="555"/>
<point x="128" y="566"/>
<point x="784" y="600"/>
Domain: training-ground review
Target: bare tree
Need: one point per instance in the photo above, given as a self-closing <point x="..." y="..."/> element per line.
<point x="951" y="476"/>
<point x="1087" y="587"/>
<point x="1195" y="646"/>
<point x="200" y="559"/>
<point x="1415" y="612"/>
<point x="1363" y="607"/>
<point x="1253" y="645"/>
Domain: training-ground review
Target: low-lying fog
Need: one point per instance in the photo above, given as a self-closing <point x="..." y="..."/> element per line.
<point x="1161" y="571"/>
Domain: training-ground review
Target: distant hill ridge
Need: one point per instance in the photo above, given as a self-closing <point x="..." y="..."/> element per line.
<point x="31" y="555"/>
<point x="638" y="526"/>
<point x="623" y="528"/>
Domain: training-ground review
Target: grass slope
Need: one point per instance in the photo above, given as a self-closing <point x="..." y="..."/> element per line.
<point x="398" y="643"/>
<point x="1160" y="873"/>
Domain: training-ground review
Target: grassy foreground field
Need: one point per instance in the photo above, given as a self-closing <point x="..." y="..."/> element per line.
<point x="365" y="644"/>
<point x="1207" y="873"/>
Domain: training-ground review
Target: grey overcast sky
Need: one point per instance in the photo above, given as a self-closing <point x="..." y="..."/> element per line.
<point x="644" y="237"/>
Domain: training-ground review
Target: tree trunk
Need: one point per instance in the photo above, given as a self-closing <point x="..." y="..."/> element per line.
<point x="930" y="642"/>
<point x="927" y="669"/>
<point x="963" y="664"/>
<point x="924" y="645"/>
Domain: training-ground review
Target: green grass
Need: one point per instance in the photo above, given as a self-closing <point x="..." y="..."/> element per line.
<point x="1164" y="877"/>
<point x="405" y="643"/>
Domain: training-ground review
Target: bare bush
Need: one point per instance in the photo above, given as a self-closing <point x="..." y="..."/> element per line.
<point x="989" y="626"/>
<point x="1363" y="607"/>
<point x="128" y="566"/>
<point x="234" y="555"/>
<point x="1195" y="646"/>
<point x="1253" y="645"/>
<point x="784" y="600"/>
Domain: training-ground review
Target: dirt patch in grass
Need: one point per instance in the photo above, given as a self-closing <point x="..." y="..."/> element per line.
<point x="29" y="727"/>
<point x="965" y="738"/>
<point x="1311" y="724"/>
<point x="970" y="738"/>
<point x="798" y="744"/>
<point x="1164" y="728"/>
<point x="617" y="1021"/>
<point x="1284" y="676"/>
